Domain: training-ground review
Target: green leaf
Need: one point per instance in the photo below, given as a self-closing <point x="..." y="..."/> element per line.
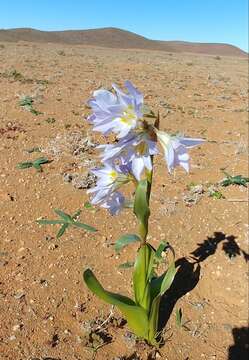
<point x="217" y="195"/>
<point x="234" y="180"/>
<point x="153" y="320"/>
<point x="155" y="285"/>
<point x="126" y="265"/>
<point x="168" y="278"/>
<point x="125" y="240"/>
<point x="63" y="215"/>
<point x="41" y="160"/>
<point x="156" y="281"/>
<point x="135" y="315"/>
<point x="88" y="205"/>
<point x="161" y="248"/>
<point x="37" y="166"/>
<point x="26" y="101"/>
<point x="141" y="206"/>
<point x="84" y="226"/>
<point x="179" y="317"/>
<point x="24" y="165"/>
<point x="50" y="222"/>
<point x="158" y="287"/>
<point x="62" y="230"/>
<point x="141" y="275"/>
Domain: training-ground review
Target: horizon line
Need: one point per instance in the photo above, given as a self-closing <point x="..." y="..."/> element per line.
<point x="116" y="28"/>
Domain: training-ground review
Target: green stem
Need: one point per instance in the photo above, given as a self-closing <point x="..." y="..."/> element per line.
<point x="150" y="174"/>
<point x="143" y="224"/>
<point x="143" y="231"/>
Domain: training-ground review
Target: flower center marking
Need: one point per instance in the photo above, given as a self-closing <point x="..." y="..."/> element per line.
<point x="113" y="174"/>
<point x="129" y="115"/>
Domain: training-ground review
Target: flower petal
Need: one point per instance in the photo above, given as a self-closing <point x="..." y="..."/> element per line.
<point x="191" y="142"/>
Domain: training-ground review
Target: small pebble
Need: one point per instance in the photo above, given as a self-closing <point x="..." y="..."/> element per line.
<point x="12" y="337"/>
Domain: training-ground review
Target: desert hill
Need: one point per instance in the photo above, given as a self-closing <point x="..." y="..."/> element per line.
<point x="116" y="38"/>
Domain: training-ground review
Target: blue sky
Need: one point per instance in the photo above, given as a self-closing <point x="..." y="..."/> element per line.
<point x="222" y="21"/>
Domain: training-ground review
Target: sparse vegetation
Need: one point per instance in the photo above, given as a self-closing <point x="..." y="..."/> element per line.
<point x="61" y="53"/>
<point x="234" y="180"/>
<point x="27" y="103"/>
<point x="35" y="164"/>
<point x="15" y="75"/>
<point x="41" y="278"/>
<point x="50" y="120"/>
<point x="66" y="221"/>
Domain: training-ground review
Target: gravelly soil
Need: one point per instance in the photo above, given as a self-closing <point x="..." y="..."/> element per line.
<point x="45" y="308"/>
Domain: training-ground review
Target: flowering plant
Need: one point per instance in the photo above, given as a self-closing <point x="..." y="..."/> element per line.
<point x="130" y="159"/>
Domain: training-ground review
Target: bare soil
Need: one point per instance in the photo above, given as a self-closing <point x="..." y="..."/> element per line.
<point x="46" y="311"/>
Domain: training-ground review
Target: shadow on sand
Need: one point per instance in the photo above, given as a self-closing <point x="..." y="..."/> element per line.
<point x="188" y="273"/>
<point x="240" y="349"/>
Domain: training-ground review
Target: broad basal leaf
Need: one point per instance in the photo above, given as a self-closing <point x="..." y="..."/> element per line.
<point x="135" y="315"/>
<point x="141" y="275"/>
<point x="153" y="320"/>
<point x="158" y="287"/>
<point x="168" y="278"/>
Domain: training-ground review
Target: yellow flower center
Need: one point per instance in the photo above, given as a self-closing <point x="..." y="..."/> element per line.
<point x="129" y="115"/>
<point x="113" y="174"/>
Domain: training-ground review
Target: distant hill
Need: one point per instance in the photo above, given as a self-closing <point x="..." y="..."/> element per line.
<point x="116" y="38"/>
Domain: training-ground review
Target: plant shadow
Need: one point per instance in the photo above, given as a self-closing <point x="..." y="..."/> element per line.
<point x="188" y="274"/>
<point x="209" y="247"/>
<point x="186" y="279"/>
<point x="240" y="349"/>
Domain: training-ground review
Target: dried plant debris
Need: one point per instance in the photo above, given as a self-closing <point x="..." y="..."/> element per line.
<point x="73" y="143"/>
<point x="95" y="332"/>
<point x="133" y="356"/>
<point x="194" y="194"/>
<point x="80" y="181"/>
<point x="11" y="130"/>
<point x="96" y="339"/>
<point x="130" y="339"/>
<point x="169" y="206"/>
<point x="45" y="358"/>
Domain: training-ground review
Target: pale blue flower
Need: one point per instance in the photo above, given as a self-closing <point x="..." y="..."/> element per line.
<point x="175" y="149"/>
<point x="135" y="149"/>
<point x="118" y="113"/>
<point x="109" y="179"/>
<point x="114" y="202"/>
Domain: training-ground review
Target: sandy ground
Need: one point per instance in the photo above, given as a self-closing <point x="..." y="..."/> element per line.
<point x="46" y="310"/>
